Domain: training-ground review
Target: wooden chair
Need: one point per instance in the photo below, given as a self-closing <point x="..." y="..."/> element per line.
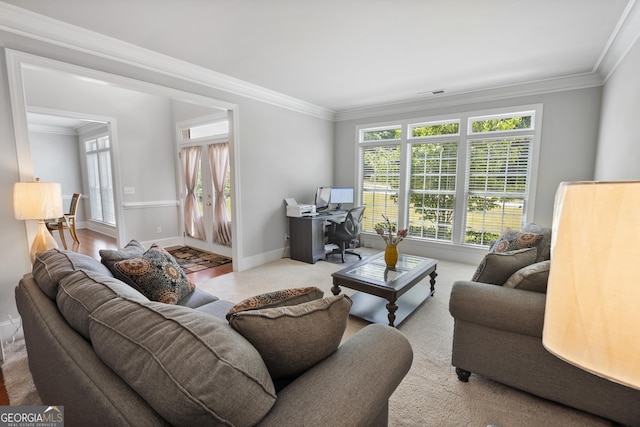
<point x="66" y="222"/>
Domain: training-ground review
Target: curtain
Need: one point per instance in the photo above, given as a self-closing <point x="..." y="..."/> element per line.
<point x="192" y="218"/>
<point x="219" y="165"/>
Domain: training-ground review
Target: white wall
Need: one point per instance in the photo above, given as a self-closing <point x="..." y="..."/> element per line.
<point x="56" y="158"/>
<point x="619" y="145"/>
<point x="567" y="151"/>
<point x="143" y="141"/>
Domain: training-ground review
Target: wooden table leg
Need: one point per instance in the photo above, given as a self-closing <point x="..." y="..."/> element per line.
<point x="335" y="289"/>
<point x="392" y="307"/>
<point x="433" y="276"/>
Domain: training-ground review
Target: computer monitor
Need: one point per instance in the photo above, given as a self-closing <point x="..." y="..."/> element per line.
<point x="323" y="195"/>
<point x="339" y="196"/>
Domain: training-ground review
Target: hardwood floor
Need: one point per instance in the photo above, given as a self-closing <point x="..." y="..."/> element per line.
<point x="91" y="242"/>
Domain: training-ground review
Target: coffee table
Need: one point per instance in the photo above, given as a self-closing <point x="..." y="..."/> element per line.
<point x="376" y="283"/>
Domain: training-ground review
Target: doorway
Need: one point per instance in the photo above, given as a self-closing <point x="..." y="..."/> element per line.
<point x="203" y="151"/>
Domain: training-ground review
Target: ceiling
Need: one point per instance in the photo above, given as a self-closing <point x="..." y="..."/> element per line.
<point x="344" y="55"/>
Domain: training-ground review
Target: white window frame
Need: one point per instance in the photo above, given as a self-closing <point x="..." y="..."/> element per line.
<point x="105" y="188"/>
<point x="464" y="136"/>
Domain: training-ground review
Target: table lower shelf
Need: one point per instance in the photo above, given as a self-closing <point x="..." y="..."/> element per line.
<point x="374" y="309"/>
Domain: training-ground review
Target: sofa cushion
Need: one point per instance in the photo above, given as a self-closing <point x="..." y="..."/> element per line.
<point x="156" y="274"/>
<point x="497" y="267"/>
<point x="49" y="267"/>
<point x="514" y="240"/>
<point x="533" y="277"/>
<point x="81" y="292"/>
<point x="277" y="299"/>
<point x="192" y="368"/>
<point x="292" y="339"/>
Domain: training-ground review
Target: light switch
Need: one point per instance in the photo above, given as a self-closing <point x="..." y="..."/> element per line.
<point x="129" y="190"/>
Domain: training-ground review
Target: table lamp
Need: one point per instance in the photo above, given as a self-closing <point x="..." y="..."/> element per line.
<point x="38" y="201"/>
<point x="592" y="318"/>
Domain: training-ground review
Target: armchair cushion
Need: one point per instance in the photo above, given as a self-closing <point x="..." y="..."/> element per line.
<point x="292" y="339"/>
<point x="497" y="267"/>
<point x="533" y="277"/>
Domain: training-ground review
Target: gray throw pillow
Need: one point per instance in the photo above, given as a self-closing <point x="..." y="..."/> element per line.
<point x="294" y="338"/>
<point x="109" y="257"/>
<point x="533" y="277"/>
<point x="192" y="368"/>
<point x="497" y="267"/>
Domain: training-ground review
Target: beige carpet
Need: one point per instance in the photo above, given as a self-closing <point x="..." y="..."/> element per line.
<point x="430" y="395"/>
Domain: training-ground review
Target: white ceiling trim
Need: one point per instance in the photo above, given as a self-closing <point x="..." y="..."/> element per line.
<point x="29" y="24"/>
<point x="622" y="40"/>
<point x="57" y="130"/>
<point x="578" y="81"/>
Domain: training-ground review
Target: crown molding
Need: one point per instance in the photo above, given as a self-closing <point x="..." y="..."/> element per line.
<point x="57" y="130"/>
<point x="39" y="27"/>
<point x="578" y="81"/>
<point x="625" y="35"/>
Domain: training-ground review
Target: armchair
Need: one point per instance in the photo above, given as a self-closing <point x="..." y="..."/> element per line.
<point x="342" y="233"/>
<point x="498" y="322"/>
<point x="67" y="222"/>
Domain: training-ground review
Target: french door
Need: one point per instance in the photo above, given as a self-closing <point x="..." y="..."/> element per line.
<point x="206" y="210"/>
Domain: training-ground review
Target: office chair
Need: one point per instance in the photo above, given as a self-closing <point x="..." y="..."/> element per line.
<point x="342" y="233"/>
<point x="67" y="221"/>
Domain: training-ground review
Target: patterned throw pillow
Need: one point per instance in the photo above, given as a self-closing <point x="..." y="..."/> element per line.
<point x="109" y="257"/>
<point x="157" y="275"/>
<point x="277" y="299"/>
<point x="514" y="240"/>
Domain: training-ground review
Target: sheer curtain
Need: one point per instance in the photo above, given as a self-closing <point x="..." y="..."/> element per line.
<point x="219" y="165"/>
<point x="192" y="218"/>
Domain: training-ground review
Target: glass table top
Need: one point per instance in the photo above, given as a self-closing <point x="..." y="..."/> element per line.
<point x="376" y="268"/>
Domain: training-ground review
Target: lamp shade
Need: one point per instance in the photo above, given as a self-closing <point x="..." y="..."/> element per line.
<point x="592" y="316"/>
<point x="37" y="200"/>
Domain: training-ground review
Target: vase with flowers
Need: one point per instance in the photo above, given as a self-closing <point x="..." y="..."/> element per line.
<point x="392" y="236"/>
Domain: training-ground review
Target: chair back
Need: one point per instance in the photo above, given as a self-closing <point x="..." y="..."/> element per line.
<point x="353" y="220"/>
<point x="73" y="207"/>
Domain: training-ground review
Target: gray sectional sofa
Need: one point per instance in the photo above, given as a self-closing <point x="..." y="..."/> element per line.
<point x="112" y="357"/>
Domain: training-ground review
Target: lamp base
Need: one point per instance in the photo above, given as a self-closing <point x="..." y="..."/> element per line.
<point x="42" y="242"/>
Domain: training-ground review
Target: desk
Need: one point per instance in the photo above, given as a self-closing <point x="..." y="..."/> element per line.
<point x="307" y="236"/>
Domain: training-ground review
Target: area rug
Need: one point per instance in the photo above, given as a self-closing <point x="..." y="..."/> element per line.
<point x="17" y="377"/>
<point x="192" y="260"/>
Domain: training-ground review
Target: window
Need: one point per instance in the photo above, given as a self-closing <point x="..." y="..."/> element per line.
<point x="461" y="179"/>
<point x="98" y="155"/>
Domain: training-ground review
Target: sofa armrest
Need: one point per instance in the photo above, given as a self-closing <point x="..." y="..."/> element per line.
<point x="349" y="388"/>
<point x="498" y="307"/>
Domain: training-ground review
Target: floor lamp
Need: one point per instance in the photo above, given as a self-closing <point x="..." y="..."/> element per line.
<point x="592" y="319"/>
<point x="38" y="201"/>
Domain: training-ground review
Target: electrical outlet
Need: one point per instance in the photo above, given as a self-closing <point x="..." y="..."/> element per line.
<point x="158" y="229"/>
<point x="286" y="236"/>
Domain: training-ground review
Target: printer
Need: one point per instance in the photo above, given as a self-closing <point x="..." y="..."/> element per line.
<point x="297" y="210"/>
<point x="301" y="210"/>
